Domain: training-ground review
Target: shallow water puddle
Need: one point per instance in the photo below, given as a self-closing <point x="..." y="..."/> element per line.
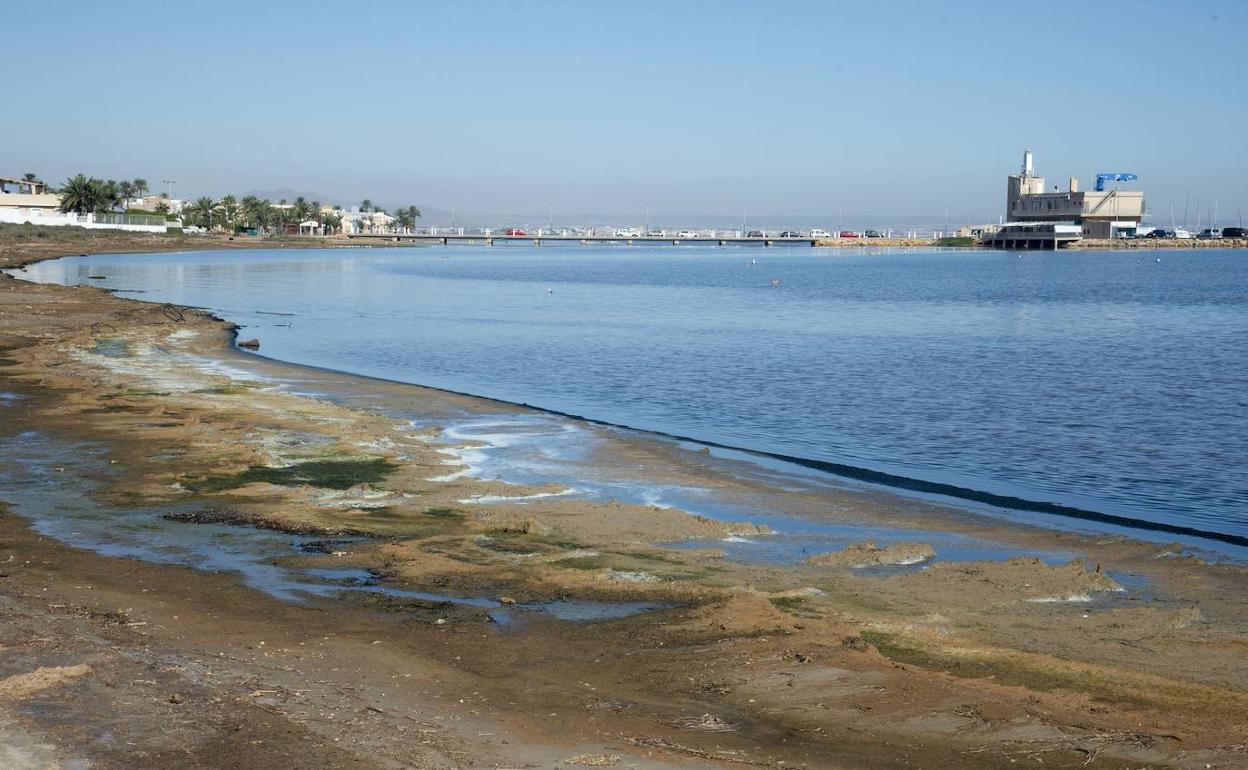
<point x="50" y="483"/>
<point x="539" y="449"/>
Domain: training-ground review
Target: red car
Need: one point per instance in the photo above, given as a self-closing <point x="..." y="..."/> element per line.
<point x="849" y="234"/>
<point x="515" y="231"/>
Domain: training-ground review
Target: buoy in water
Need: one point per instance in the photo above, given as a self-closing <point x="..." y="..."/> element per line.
<point x="775" y="281"/>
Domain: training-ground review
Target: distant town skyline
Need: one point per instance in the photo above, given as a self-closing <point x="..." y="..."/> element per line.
<point x="688" y="109"/>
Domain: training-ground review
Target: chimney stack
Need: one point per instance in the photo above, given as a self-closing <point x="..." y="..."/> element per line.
<point x="1027" y="163"/>
<point x="1074" y="185"/>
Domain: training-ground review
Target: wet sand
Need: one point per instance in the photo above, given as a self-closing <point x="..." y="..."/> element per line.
<point x="387" y="608"/>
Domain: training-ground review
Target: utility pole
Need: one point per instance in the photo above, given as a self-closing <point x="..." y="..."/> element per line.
<point x="169" y="183"/>
<point x="742" y="220"/>
<point x="452" y="215"/>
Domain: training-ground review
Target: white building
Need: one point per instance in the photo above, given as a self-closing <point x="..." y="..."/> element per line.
<point x="357" y="222"/>
<point x="31" y="204"/>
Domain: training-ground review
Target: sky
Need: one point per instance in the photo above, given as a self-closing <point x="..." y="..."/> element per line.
<point x="682" y="108"/>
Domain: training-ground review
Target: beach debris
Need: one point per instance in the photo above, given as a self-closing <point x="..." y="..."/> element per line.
<point x="176" y="698"/>
<point x="506" y="600"/>
<point x="594" y="760"/>
<point x="632" y="576"/>
<point x="105" y="277"/>
<point x="172" y="312"/>
<point x="251" y="344"/>
<point x="707" y="723"/>
<point x="869" y="554"/>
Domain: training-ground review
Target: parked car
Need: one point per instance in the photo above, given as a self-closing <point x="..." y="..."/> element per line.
<point x="1160" y="232"/>
<point x="515" y="231"/>
<point x="686" y="234"/>
<point x="626" y="232"/>
<point x="874" y="234"/>
<point x="849" y="234"/>
<point x="1209" y="234"/>
<point x="1235" y="232"/>
<point x="656" y="234"/>
<point x="792" y="234"/>
<point x="817" y="233"/>
<point x="755" y="234"/>
<point x="1181" y="234"/>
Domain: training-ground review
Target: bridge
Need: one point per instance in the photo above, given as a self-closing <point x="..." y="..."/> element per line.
<point x="584" y="240"/>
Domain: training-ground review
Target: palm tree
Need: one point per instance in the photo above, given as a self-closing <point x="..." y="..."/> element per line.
<point x="331" y="221"/>
<point x="366" y="206"/>
<point x="406" y="217"/>
<point x="202" y="209"/>
<point x="229" y="205"/>
<point x="80" y="195"/>
<point x="301" y="209"/>
<point x="125" y="188"/>
<point x="140" y="187"/>
<point x="110" y="196"/>
<point x="31" y="177"/>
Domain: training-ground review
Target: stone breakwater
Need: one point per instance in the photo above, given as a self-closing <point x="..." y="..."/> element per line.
<point x="1161" y="243"/>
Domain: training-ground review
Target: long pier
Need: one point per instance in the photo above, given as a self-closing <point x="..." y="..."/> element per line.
<point x="585" y="240"/>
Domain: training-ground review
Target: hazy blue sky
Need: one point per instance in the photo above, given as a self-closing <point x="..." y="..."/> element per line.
<point x="688" y="107"/>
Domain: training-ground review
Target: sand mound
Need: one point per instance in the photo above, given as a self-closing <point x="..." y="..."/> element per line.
<point x="870" y="555"/>
<point x="25" y="685"/>
<point x="743" y="614"/>
<point x="1025" y="578"/>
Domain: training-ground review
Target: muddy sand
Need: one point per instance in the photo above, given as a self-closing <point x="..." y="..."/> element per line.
<point x="208" y="559"/>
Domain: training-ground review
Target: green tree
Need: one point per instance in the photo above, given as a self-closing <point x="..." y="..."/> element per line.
<point x="229" y="206"/>
<point x="201" y="211"/>
<point x="125" y="188"/>
<point x="330" y="221"/>
<point x="366" y="206"/>
<point x="406" y="217"/>
<point x="80" y="195"/>
<point x="140" y="186"/>
<point x="302" y="209"/>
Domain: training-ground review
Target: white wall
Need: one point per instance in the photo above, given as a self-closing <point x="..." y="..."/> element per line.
<point x="52" y="218"/>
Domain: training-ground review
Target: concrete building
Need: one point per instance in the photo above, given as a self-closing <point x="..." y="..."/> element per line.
<point x="151" y="202"/>
<point x="26" y="198"/>
<point x="1100" y="213"/>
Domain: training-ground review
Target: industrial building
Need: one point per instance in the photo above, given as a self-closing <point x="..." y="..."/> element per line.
<point x="1100" y="213"/>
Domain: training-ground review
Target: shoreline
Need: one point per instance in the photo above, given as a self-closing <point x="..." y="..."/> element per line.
<point x="874" y="677"/>
<point x="904" y="486"/>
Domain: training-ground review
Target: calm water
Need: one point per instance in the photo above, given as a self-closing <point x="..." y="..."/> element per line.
<point x="1109" y="382"/>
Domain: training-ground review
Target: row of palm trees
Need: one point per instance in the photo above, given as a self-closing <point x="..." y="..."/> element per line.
<point x="234" y="214"/>
<point x="231" y="213"/>
<point x="88" y="195"/>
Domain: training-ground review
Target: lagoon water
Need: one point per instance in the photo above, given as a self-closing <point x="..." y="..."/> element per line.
<point x="1114" y="382"/>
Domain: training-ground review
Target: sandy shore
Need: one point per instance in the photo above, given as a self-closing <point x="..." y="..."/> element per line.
<point x="1123" y="654"/>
